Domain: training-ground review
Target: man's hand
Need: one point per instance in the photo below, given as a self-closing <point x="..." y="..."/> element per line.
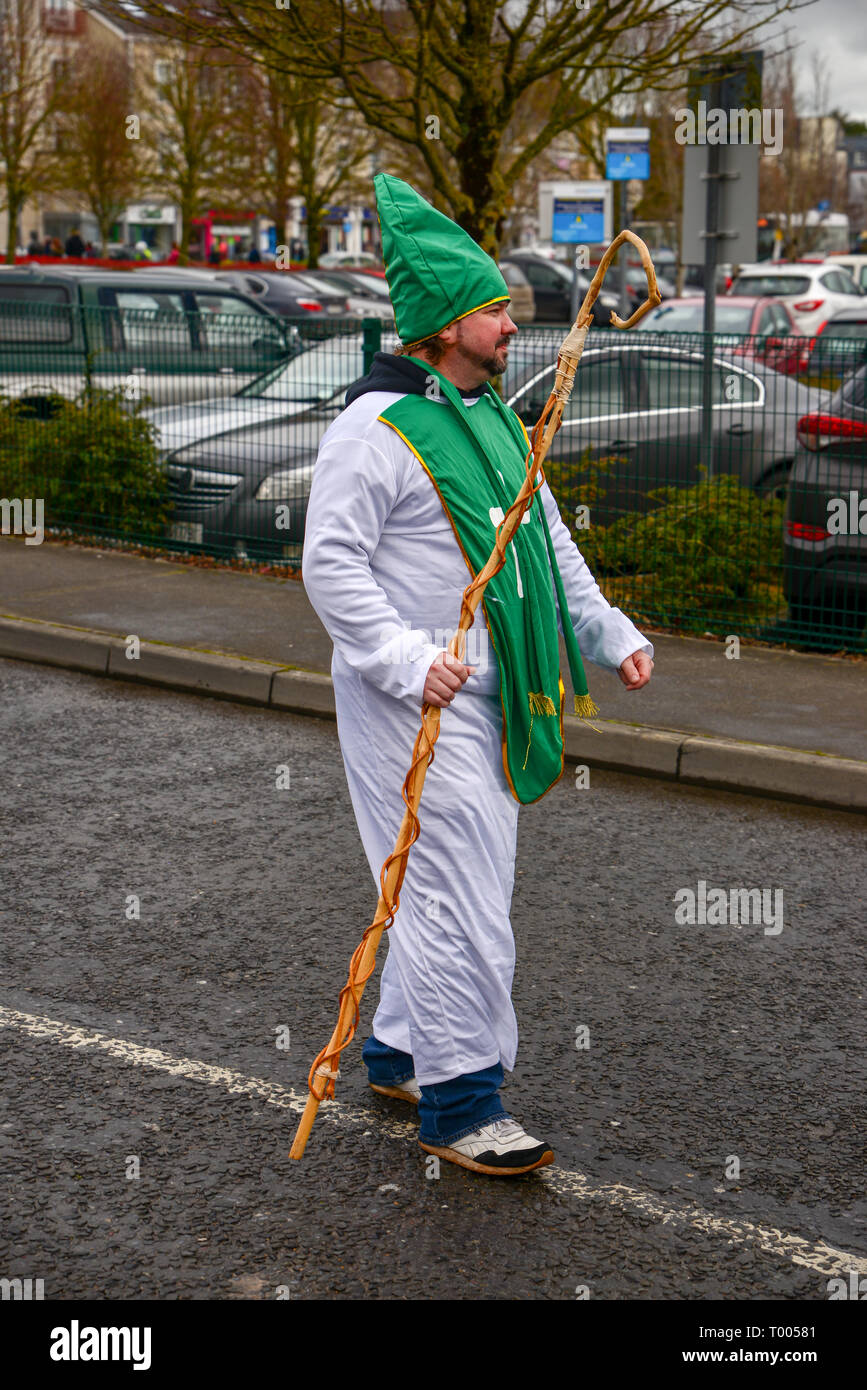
<point x="445" y="677"/>
<point x="635" y="670"/>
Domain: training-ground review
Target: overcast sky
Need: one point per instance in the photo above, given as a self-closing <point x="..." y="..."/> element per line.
<point x="836" y="29"/>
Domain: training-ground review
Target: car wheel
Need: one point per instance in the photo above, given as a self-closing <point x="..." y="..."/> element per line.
<point x="775" y="482"/>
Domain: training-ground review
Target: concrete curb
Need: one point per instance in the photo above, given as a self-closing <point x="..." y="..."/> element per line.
<point x="819" y="779"/>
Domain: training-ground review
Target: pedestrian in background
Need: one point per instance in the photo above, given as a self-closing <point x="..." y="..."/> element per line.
<point x="74" y="244"/>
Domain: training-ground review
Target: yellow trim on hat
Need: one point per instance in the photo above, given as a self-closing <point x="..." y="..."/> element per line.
<point x="487" y="304"/>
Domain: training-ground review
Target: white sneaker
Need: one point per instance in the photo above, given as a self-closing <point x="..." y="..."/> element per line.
<point x="500" y="1148"/>
<point x="400" y="1090"/>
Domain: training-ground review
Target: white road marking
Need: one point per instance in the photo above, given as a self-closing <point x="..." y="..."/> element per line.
<point x="823" y="1258"/>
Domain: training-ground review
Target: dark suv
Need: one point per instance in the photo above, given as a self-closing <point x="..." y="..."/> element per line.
<point x="159" y="336"/>
<point x="825" y="524"/>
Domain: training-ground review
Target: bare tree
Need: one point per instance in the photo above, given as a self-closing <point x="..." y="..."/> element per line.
<point x="305" y="140"/>
<point x="807" y="169"/>
<point x="100" y="155"/>
<point x="330" y="145"/>
<point x="445" y="78"/>
<point x="188" y="124"/>
<point x="269" y="174"/>
<point x="34" y="68"/>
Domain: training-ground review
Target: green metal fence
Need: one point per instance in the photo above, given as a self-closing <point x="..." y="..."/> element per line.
<point x="200" y="432"/>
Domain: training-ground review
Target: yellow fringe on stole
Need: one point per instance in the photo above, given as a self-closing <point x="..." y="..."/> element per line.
<point x="540" y="703"/>
<point x="585" y="707"/>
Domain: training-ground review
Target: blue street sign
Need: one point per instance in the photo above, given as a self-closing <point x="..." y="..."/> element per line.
<point x="628" y="160"/>
<point x="579" y="220"/>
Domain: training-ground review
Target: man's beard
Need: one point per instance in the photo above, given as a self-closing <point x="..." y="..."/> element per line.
<point x="491" y="366"/>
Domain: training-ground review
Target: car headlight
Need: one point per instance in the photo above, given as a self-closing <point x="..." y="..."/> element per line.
<point x="286" y="485"/>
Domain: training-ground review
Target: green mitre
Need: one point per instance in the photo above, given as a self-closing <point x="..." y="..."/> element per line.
<point x="436" y="273"/>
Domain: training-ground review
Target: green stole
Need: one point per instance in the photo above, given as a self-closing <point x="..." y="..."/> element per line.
<point x="456" y="446"/>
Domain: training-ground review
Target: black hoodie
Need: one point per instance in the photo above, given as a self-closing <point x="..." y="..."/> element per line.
<point x="390" y="373"/>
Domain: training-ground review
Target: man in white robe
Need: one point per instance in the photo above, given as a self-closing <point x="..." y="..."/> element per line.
<point x="384" y="572"/>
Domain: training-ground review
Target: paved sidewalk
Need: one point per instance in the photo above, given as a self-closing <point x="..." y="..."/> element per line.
<point x="702" y="718"/>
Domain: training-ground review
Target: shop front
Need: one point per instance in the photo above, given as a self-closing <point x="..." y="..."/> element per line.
<point x="224" y="236"/>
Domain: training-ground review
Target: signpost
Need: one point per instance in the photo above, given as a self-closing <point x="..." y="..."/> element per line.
<point x="578" y="213"/>
<point x="627" y="156"/>
<point x="720" y="194"/>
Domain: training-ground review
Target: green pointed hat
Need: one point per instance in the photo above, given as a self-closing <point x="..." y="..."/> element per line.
<point x="436" y="273"/>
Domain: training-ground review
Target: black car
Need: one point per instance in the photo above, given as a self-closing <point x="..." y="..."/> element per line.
<point x="284" y="294"/>
<point x="825" y="523"/>
<point x="636" y="408"/>
<point x="280" y="292"/>
<point x="839" y="347"/>
<point x="551" y="283"/>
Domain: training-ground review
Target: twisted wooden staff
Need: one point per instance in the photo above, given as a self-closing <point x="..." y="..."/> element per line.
<point x="323" y="1072"/>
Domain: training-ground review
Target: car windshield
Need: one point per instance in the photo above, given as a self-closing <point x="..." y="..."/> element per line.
<point x="306" y="283"/>
<point x="371" y="284"/>
<point x="771" y="284"/>
<point x="343" y="282"/>
<point x="689" y="318"/>
<point x="314" y="376"/>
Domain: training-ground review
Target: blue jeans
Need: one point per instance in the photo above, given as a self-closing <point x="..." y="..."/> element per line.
<point x="448" y="1110"/>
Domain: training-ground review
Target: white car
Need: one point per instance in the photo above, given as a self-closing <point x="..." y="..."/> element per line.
<point x="856" y="264"/>
<point x="336" y="259"/>
<point x="312" y="381"/>
<point x="812" y="291"/>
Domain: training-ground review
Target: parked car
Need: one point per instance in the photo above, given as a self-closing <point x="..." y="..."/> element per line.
<point x="811" y="291"/>
<point x="288" y="297"/>
<point x="551" y="282"/>
<point x="366" y="295"/>
<point x="825" y="522"/>
<point x="639" y="402"/>
<point x="636" y="285"/>
<point x="159" y="335"/>
<point x="522" y="308"/>
<point x="757" y="328"/>
<point x="839" y="347"/>
<point x="856" y="264"/>
<point x="232" y="464"/>
<point x="349" y="258"/>
<point x="693" y="278"/>
<point x="310" y="381"/>
<point x="119" y="251"/>
<point x="636" y="280"/>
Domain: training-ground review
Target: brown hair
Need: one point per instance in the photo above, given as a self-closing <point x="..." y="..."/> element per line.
<point x="434" y="348"/>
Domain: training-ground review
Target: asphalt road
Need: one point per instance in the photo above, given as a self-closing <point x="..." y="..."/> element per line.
<point x="156" y="1039"/>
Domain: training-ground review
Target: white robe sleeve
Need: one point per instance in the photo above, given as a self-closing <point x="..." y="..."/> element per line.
<point x="353" y="491"/>
<point x="605" y="635"/>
